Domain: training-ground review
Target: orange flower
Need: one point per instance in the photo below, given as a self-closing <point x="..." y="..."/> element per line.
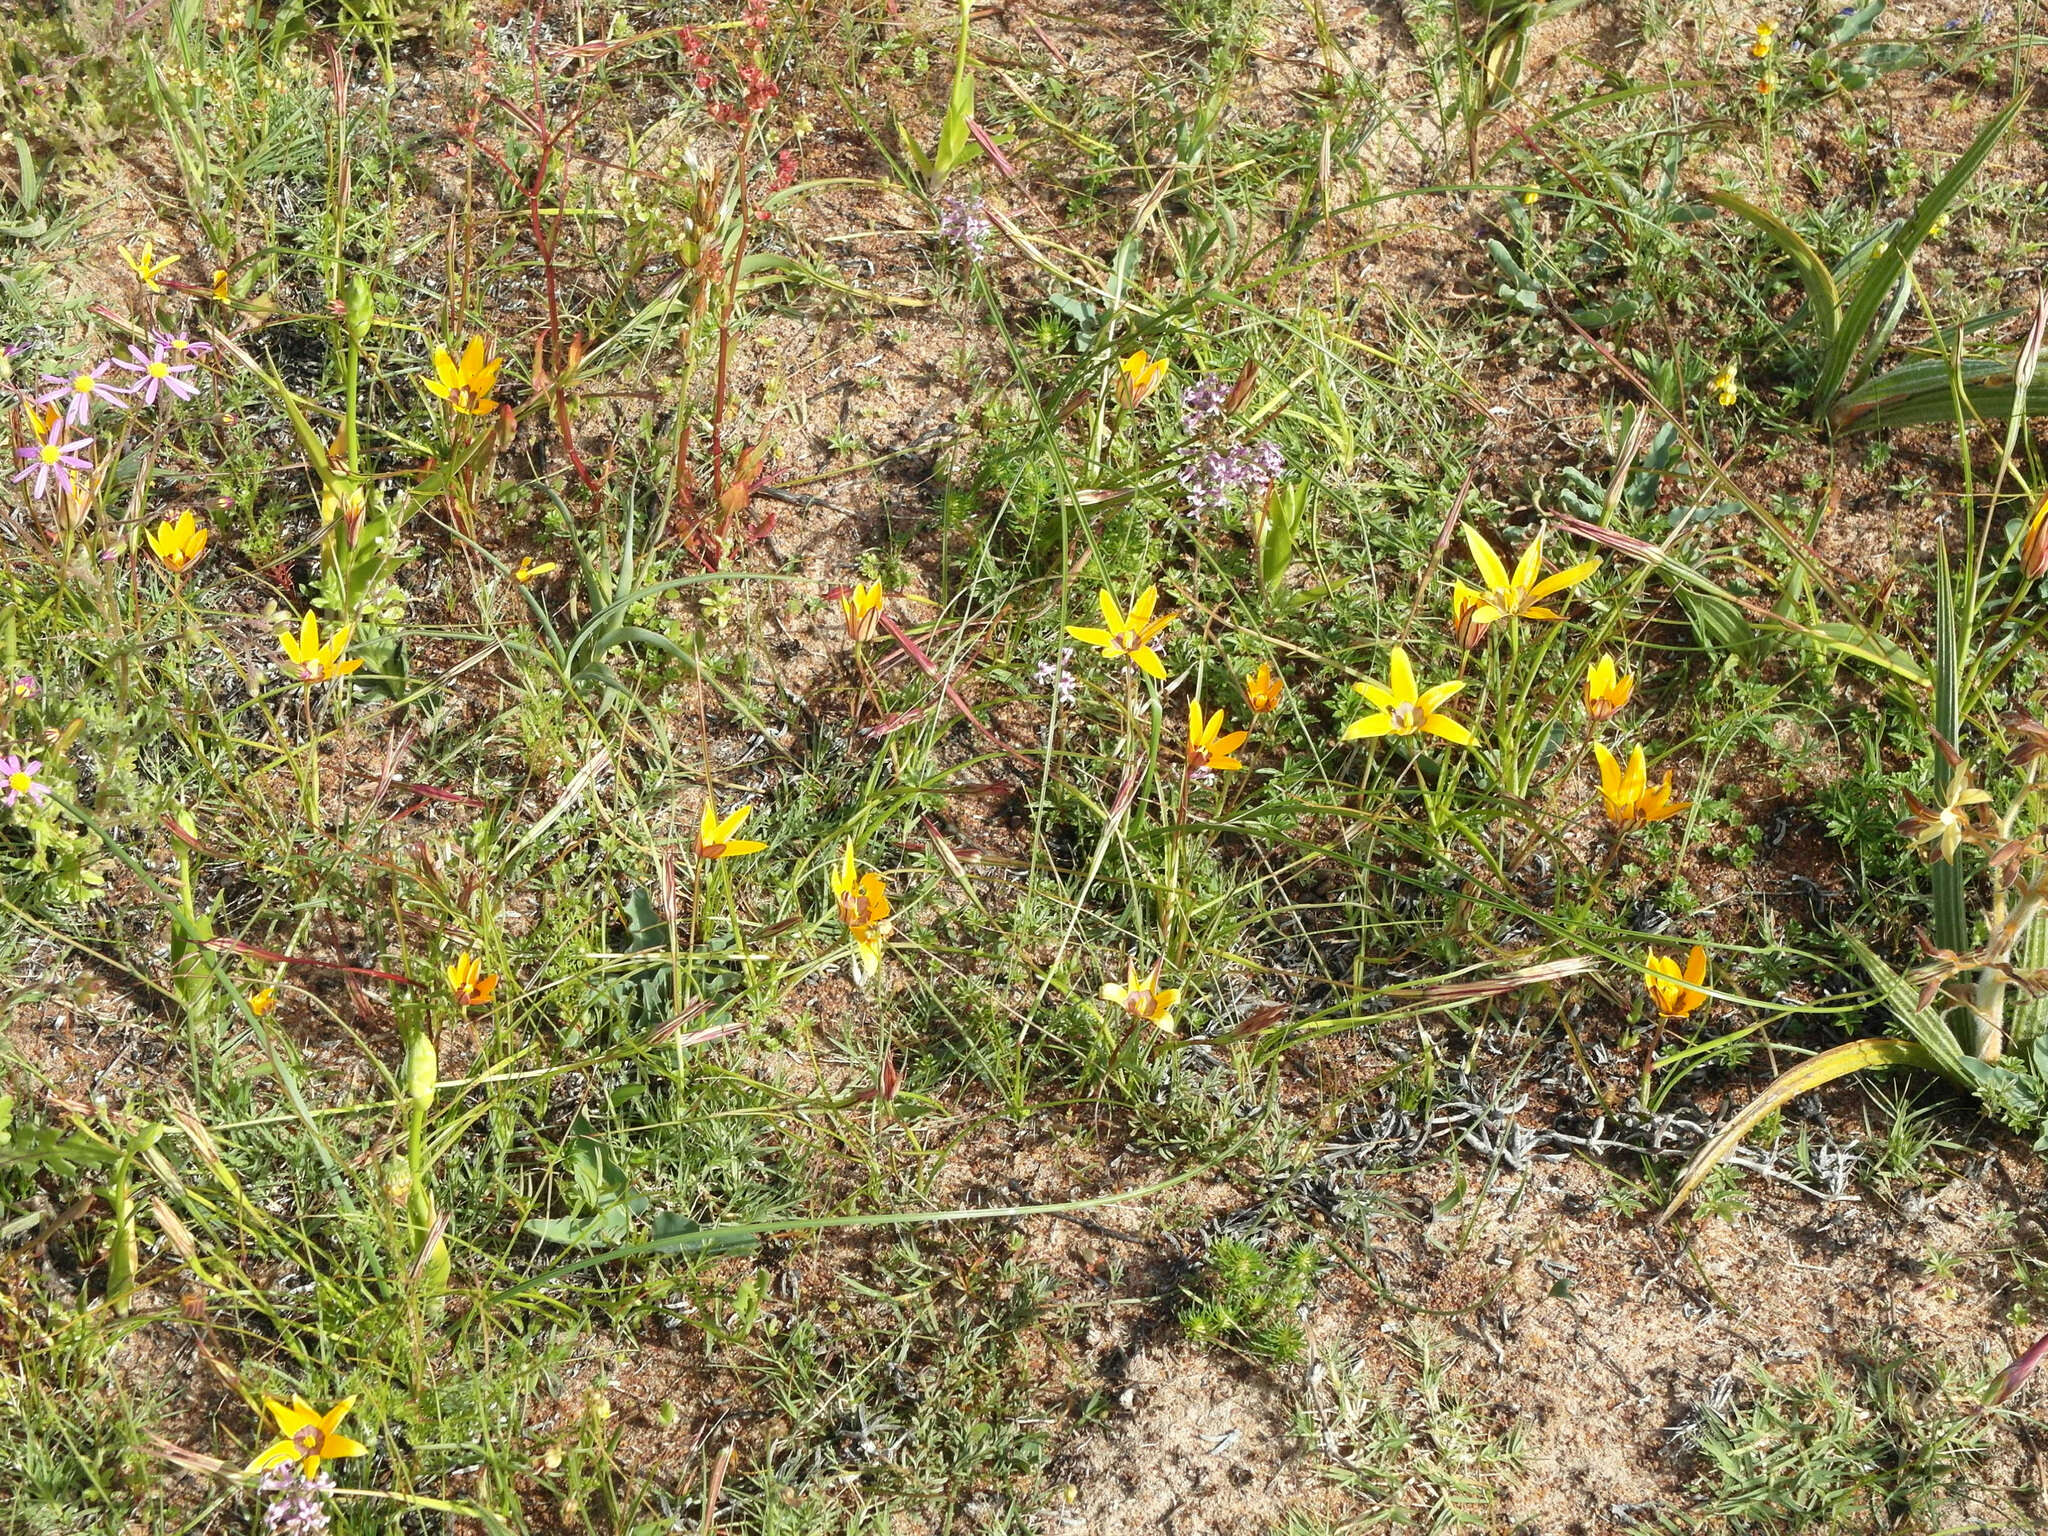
<point x="1208" y="747"/>
<point x="1262" y="690"/>
<point x="717" y="838"/>
<point x="1676" y="993"/>
<point x="863" y="903"/>
<point x="1629" y="797"/>
<point x="862" y="610"/>
<point x="1129" y="636"/>
<point x="309" y="1438"/>
<point x="1607" y="689"/>
<point x="1143" y="997"/>
<point x="466" y="979"/>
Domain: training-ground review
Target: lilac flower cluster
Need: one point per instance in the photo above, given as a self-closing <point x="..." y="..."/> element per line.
<point x="298" y="1503"/>
<point x="1211" y="476"/>
<point x="56" y="454"/>
<point x="964" y="223"/>
<point x="1054" y="674"/>
<point x="1202" y="403"/>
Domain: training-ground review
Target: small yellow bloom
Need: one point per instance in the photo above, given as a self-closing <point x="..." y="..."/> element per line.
<point x="178" y="545"/>
<point x="1939" y="227"/>
<point x="1766" y="85"/>
<point x="219" y="290"/>
<point x="1469" y="623"/>
<point x="1208" y="747"/>
<point x="260" y="1003"/>
<point x="1139" y="375"/>
<point x="465" y="385"/>
<point x="864" y="908"/>
<point x="716" y="837"/>
<point x="1627" y="794"/>
<point x="1723" y="386"/>
<point x="1531" y="197"/>
<point x="861" y="609"/>
<point x="466" y="979"/>
<point x="309" y="1438"/>
<point x="1143" y="998"/>
<point x="1129" y="636"/>
<point x="1676" y="993"/>
<point x="1262" y="690"/>
<point x="1946" y="826"/>
<point x="1608" y="689"/>
<point x="1761" y="48"/>
<point x="528" y="571"/>
<point x="1399" y="710"/>
<point x="1518" y="596"/>
<point x="143" y="263"/>
<point x="314" y="662"/>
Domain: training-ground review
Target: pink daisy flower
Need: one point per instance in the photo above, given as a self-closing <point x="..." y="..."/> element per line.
<point x="79" y="390"/>
<point x="52" y="458"/>
<point x="18" y="778"/>
<point x="154" y="371"/>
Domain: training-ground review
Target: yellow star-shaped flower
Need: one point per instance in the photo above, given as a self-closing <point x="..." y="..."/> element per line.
<point x="715" y="839"/>
<point x="309" y="1438"/>
<point x="1129" y="636"/>
<point x="1400" y="709"/>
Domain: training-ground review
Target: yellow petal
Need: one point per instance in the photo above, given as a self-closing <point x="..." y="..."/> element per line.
<point x="1571" y="576"/>
<point x="1141" y="610"/>
<point x="1147" y="661"/>
<point x="1449" y="729"/>
<point x="1112" y="620"/>
<point x="1491" y="571"/>
<point x="274" y="1455"/>
<point x="1610" y="771"/>
<point x="1401" y="677"/>
<point x="1433" y="700"/>
<point x="1369" y="725"/>
<point x="1530" y="566"/>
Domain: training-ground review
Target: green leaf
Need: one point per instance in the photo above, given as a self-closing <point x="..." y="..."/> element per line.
<point x="1822" y="299"/>
<point x="1856" y="1056"/>
<point x="1868" y="645"/>
<point x="1876" y="287"/>
<point x="1925" y="390"/>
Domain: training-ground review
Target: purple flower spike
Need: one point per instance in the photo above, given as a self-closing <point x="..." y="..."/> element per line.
<point x="52" y="458"/>
<point x="154" y="371"/>
<point x="18" y="779"/>
<point x="79" y="390"/>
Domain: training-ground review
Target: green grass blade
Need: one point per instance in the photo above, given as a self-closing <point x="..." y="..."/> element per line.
<point x="1922" y="392"/>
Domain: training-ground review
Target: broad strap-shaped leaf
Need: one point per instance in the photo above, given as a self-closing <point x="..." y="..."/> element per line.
<point x="1876" y="288"/>
<point x="1856" y="1056"/>
<point x="1924" y="391"/>
<point x="1822" y="299"/>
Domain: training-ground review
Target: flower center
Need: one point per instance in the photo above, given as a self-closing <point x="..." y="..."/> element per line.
<point x="159" y="369"/>
<point x="1407" y="719"/>
<point x="83" y="384"/>
<point x="20" y="783"/>
<point x="50" y="453"/>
